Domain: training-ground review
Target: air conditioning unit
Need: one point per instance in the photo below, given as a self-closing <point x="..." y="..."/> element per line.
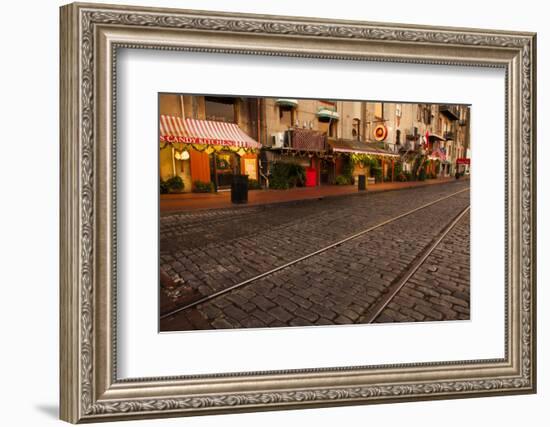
<point x="278" y="140"/>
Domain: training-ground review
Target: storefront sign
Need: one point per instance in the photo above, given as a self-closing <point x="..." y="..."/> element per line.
<point x="194" y="140"/>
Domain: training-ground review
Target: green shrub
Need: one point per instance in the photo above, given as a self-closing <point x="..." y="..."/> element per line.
<point x="402" y="177"/>
<point x="397" y="168"/>
<point x="287" y="175"/>
<point x="253" y="184"/>
<point x="422" y="174"/>
<point x="279" y="183"/>
<point x="164" y="187"/>
<point x="296" y="175"/>
<point x="279" y="176"/>
<point x="203" y="187"/>
<point x="343" y="180"/>
<point x="175" y="184"/>
<point x="376" y="172"/>
<point x="348" y="167"/>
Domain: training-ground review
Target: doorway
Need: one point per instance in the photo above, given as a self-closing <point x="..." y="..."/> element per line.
<point x="223" y="166"/>
<point x="327" y="171"/>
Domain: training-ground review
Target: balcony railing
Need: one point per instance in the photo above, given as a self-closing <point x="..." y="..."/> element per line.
<point x="409" y="145"/>
<point x="449" y="135"/>
<point x="450" y="111"/>
<point x="307" y="140"/>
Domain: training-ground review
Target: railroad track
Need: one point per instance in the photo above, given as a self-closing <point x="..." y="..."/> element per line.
<point x="377" y="309"/>
<point x="382" y="303"/>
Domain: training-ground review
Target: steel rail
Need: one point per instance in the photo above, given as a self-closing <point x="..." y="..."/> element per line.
<point x="297" y="260"/>
<point x="381" y="305"/>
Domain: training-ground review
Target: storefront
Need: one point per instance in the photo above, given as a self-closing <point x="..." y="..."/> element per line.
<point x="356" y="156"/>
<point x="205" y="151"/>
<point x="304" y="147"/>
<point x="463" y="165"/>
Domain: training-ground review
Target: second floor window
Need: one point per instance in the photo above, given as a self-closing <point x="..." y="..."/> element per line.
<point x="220" y="109"/>
<point x="329" y="128"/>
<point x="379" y="111"/>
<point x="286" y="117"/>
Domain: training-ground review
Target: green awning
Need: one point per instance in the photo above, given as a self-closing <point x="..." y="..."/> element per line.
<point x="327" y="114"/>
<point x="285" y="102"/>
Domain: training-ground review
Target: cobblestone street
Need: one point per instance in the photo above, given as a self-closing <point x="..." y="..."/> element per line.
<point x="203" y="252"/>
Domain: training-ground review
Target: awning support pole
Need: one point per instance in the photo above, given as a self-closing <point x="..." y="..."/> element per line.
<point x="173" y="162"/>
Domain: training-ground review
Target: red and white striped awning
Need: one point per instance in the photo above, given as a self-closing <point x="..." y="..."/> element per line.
<point x="192" y="131"/>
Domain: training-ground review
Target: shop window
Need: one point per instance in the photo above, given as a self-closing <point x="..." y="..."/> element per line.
<point x="220" y="109"/>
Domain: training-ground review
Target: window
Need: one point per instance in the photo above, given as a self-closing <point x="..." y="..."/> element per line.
<point x="356" y="129"/>
<point x="329" y="128"/>
<point x="220" y="109"/>
<point x="332" y="129"/>
<point x="379" y="110"/>
<point x="427" y="115"/>
<point x="286" y="117"/>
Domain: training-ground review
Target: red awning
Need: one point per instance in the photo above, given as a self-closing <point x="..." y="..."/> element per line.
<point x="339" y="145"/>
<point x="191" y="131"/>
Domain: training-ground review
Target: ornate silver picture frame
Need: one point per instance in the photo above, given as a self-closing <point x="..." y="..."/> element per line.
<point x="91" y="35"/>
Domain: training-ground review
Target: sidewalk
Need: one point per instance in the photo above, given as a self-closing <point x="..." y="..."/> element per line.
<point x="193" y="201"/>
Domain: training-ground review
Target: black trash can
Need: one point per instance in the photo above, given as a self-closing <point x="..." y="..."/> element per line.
<point x="362" y="183"/>
<point x="239" y="189"/>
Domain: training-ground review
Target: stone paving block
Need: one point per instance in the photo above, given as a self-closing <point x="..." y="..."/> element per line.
<point x="253" y="322"/>
<point x="285" y="303"/>
<point x="197" y="319"/>
<point x="351" y="314"/>
<point x="403" y="300"/>
<point x="280" y="314"/>
<point x="413" y="314"/>
<point x="384" y="318"/>
<point x="221" y="323"/>
<point x="302" y="302"/>
<point x="429" y="312"/>
<point x="298" y="321"/>
<point x="448" y="313"/>
<point x="461" y="309"/>
<point x="306" y="314"/>
<point x="395" y="315"/>
<point x="262" y="302"/>
<point x="322" y="311"/>
<point x="343" y="320"/>
<point x="210" y="311"/>
<point x="235" y="312"/>
<point x="454" y="300"/>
